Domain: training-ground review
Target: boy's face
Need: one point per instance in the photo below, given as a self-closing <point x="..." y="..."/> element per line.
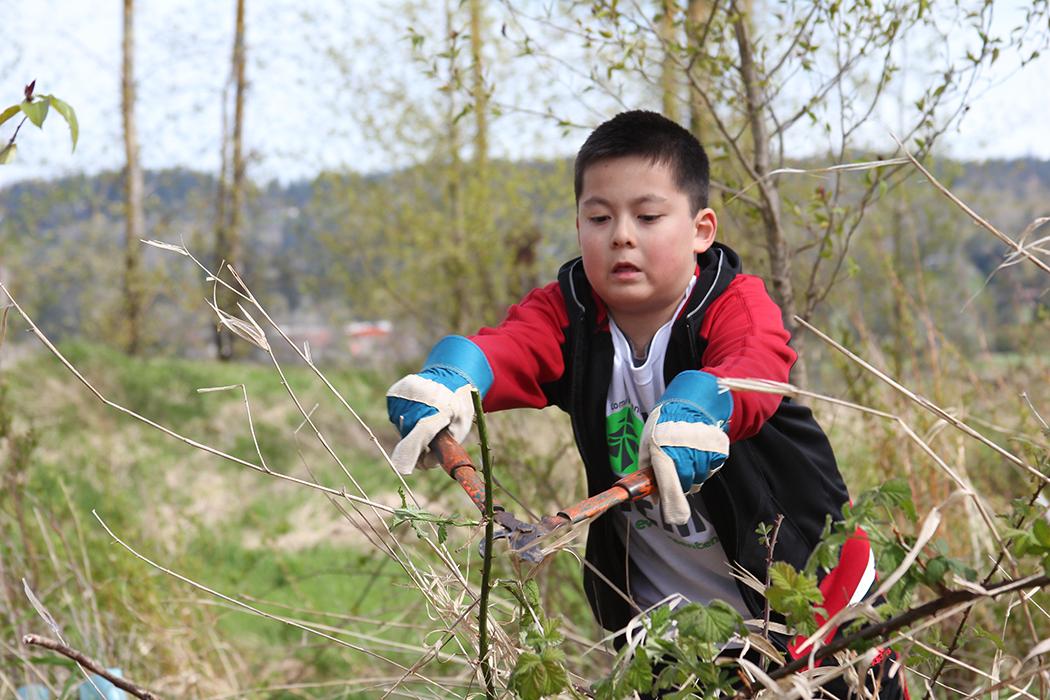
<point x="638" y="236"/>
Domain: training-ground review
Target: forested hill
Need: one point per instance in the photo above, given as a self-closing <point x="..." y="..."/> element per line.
<point x="319" y="251"/>
<point x="186" y="196"/>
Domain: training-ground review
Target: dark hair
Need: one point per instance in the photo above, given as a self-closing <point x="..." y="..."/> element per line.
<point x="652" y="136"/>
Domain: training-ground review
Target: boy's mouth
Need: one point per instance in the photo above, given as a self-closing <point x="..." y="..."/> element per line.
<point x="624" y="267"/>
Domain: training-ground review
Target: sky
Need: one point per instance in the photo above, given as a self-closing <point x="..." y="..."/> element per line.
<point x="317" y="78"/>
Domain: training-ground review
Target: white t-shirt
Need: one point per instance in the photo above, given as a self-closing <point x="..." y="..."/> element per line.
<point x="664" y="559"/>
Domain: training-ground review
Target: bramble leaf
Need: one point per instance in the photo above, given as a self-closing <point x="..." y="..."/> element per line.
<point x="639" y="673"/>
<point x="545" y="634"/>
<point x="936" y="568"/>
<point x="1041" y="530"/>
<point x="713" y="624"/>
<point x="414" y="516"/>
<point x="8" y="153"/>
<point x="897" y="493"/>
<point x="795" y="595"/>
<point x="531" y="590"/>
<point x="538" y="675"/>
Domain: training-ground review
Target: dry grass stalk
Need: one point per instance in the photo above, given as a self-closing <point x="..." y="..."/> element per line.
<point x="448" y="594"/>
<point x="1019" y="249"/>
<point x="926" y="403"/>
<point x="242" y="605"/>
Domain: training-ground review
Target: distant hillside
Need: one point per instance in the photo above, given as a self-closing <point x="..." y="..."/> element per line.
<point x="61" y="241"/>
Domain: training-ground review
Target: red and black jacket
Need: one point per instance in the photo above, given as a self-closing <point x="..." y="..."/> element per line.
<point x="554" y="348"/>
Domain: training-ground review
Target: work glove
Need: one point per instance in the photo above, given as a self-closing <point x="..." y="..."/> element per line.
<point x="437" y="397"/>
<point x="685" y="439"/>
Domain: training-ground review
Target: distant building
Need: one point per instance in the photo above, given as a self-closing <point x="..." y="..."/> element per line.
<point x="366" y="338"/>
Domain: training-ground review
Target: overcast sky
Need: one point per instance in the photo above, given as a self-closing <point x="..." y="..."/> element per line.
<point x="302" y="109"/>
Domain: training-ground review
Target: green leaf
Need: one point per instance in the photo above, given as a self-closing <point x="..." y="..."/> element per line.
<point x="936" y="568"/>
<point x="10" y="112"/>
<point x="545" y="634"/>
<point x="659" y="619"/>
<point x="795" y="595"/>
<point x="531" y="590"/>
<point x="639" y="673"/>
<point x="713" y="624"/>
<point x="1041" y="530"/>
<point x="981" y="633"/>
<point x="36" y="111"/>
<point x="8" y="153"/>
<point x="895" y="494"/>
<point x="69" y="115"/>
<point x="539" y="675"/>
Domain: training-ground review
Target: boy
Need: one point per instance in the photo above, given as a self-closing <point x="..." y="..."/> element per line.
<point x="629" y="342"/>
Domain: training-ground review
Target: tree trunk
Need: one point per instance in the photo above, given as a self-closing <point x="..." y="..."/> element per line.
<point x="698" y="14"/>
<point x="769" y="196"/>
<point x="229" y="230"/>
<point x="481" y="143"/>
<point x="134" y="218"/>
<point x="455" y="258"/>
<point x="668" y="67"/>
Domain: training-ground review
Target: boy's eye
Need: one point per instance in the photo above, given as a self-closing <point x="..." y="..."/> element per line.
<point x="650" y="218"/>
<point x="598" y="219"/>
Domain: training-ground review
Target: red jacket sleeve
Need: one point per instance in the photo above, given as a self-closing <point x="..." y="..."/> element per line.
<point x="746" y="339"/>
<point x="524" y="350"/>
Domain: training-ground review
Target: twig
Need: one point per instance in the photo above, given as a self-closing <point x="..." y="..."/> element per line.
<point x="769" y="568"/>
<point x="87" y="663"/>
<point x="977" y="218"/>
<point x="17" y="129"/>
<point x="486" y="567"/>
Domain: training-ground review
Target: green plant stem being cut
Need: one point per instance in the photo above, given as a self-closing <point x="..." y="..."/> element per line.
<point x="486" y="566"/>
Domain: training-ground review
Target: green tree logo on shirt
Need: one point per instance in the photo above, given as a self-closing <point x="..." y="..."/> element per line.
<point x="624" y="431"/>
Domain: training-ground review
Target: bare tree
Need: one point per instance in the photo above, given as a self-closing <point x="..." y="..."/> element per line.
<point x="133" y="211"/>
<point x="760" y="78"/>
<point x="478" y="90"/>
<point x="231" y="197"/>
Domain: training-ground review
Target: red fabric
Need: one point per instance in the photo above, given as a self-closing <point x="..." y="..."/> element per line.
<point x="743" y="327"/>
<point x="524" y="351"/>
<point x="839" y="585"/>
<point x="746" y="339"/>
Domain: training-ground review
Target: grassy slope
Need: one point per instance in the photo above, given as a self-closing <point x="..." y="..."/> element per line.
<point x="213" y="521"/>
<point x="232" y="529"/>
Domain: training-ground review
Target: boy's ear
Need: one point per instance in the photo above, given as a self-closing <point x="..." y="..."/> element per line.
<point x="705" y="225"/>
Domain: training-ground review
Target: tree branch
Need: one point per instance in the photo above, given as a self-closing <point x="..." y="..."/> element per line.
<point x="88" y="664"/>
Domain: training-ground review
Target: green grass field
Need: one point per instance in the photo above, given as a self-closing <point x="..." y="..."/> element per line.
<point x="281" y="547"/>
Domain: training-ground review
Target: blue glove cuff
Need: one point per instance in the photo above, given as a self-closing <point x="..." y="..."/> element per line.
<point x="461" y="356"/>
<point x="700" y="391"/>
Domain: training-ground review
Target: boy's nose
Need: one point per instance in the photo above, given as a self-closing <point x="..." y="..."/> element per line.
<point x="623" y="234"/>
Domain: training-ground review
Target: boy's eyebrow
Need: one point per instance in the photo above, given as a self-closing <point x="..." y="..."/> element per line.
<point x="644" y="199"/>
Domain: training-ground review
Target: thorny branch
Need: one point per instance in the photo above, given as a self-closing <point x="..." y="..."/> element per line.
<point x="885" y="628"/>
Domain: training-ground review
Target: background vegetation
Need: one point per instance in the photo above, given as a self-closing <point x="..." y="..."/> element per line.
<point x="875" y="257"/>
